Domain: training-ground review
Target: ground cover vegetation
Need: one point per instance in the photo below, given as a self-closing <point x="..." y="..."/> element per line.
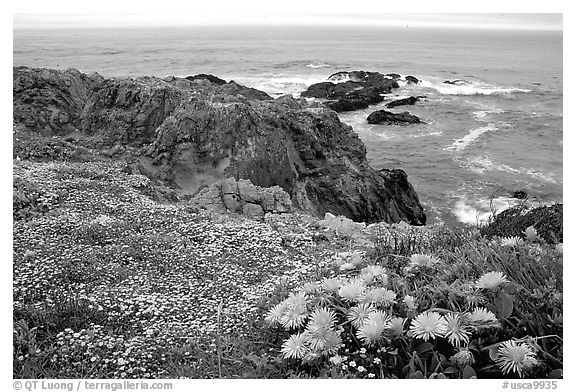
<point x="111" y="282"/>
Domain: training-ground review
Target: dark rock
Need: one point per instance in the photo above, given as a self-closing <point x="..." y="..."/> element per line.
<point x="191" y="138"/>
<point x="547" y="220"/>
<point x="213" y="79"/>
<point x="339" y="76"/>
<point x="456" y="82"/>
<point x="519" y="195"/>
<point x="403" y="101"/>
<point x="385" y="117"/>
<point x="319" y="90"/>
<point x="359" y="90"/>
<point x="411" y="79"/>
<point x="394" y="75"/>
<point x="346" y="105"/>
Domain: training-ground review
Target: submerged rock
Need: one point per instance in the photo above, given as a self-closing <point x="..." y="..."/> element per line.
<point x="385" y="117"/>
<point x="411" y="79"/>
<point x="193" y="136"/>
<point x="403" y="101"/>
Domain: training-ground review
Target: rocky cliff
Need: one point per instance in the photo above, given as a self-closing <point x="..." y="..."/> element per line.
<point x="193" y="132"/>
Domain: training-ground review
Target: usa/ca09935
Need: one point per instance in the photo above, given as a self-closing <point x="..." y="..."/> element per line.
<point x="534" y="385"/>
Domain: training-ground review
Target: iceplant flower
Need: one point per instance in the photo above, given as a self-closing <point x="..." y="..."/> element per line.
<point x="353" y="291"/>
<point x="511" y="241"/>
<point x="331" y="284"/>
<point x="428" y="325"/>
<point x="410" y="302"/>
<point x="491" y="280"/>
<point x="514" y="357"/>
<point x="359" y="314"/>
<point x="295" y="346"/>
<point x="456" y="332"/>
<point x="371" y="331"/>
<point x="418" y="260"/>
<point x="531" y="233"/>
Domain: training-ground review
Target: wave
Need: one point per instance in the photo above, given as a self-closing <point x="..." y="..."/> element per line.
<point x="318" y="65"/>
<point x="279" y="84"/>
<point x="470" y="88"/>
<point x="462" y="143"/>
<point x="480" y="164"/>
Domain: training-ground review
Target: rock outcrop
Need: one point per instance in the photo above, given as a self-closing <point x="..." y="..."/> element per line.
<point x="411" y="79"/>
<point x="243" y="197"/>
<point x="193" y="133"/>
<point x="386" y="117"/>
<point x="353" y="90"/>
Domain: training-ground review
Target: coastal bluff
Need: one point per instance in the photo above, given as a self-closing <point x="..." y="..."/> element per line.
<point x="190" y="133"/>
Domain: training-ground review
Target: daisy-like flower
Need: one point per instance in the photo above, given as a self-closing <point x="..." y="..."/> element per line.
<point x="514" y="357"/>
<point x="296" y="299"/>
<point x="323" y="339"/>
<point x="511" y="241"/>
<point x="462" y="358"/>
<point x="321" y="318"/>
<point x="295" y="346"/>
<point x="347" y="266"/>
<point x="371" y="331"/>
<point x="559" y="247"/>
<point x="331" y="284"/>
<point x="358" y="314"/>
<point x="353" y="291"/>
<point x="397" y="325"/>
<point x="456" y="332"/>
<point x="491" y="280"/>
<point x="336" y="360"/>
<point x="294" y="317"/>
<point x="428" y="325"/>
<point x="531" y="233"/>
<point x="367" y="278"/>
<point x="481" y="317"/>
<point x="410" y="302"/>
<point x="422" y="260"/>
<point x="380" y="295"/>
<point x="374" y="270"/>
<point x="273" y="316"/>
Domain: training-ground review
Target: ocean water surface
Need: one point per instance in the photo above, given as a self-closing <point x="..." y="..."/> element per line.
<point x="497" y="132"/>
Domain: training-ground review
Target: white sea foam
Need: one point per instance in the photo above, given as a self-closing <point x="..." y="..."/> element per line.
<point x="318" y="65"/>
<point x="280" y="84"/>
<point x="473" y="212"/>
<point x="462" y="143"/>
<point x="471" y="88"/>
<point x="480" y="164"/>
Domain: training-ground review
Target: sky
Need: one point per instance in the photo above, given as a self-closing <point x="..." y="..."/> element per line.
<point x="195" y="18"/>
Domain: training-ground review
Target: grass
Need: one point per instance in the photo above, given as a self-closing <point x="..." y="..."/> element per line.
<point x="109" y="283"/>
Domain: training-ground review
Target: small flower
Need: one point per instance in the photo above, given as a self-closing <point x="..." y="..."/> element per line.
<point x="361" y="369"/>
<point x="352" y="291"/>
<point x="331" y="285"/>
<point x="352" y="364"/>
<point x="358" y="314"/>
<point x="377" y="361"/>
<point x="531" y="233"/>
<point x="344" y="366"/>
<point x="371" y="375"/>
<point x="456" y="332"/>
<point x="428" y="325"/>
<point x="410" y="302"/>
<point x="491" y="280"/>
<point x="295" y="346"/>
<point x="513" y="357"/>
<point x="511" y="241"/>
<point x="422" y="260"/>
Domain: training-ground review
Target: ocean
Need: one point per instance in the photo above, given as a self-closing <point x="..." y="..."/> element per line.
<point x="498" y="132"/>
